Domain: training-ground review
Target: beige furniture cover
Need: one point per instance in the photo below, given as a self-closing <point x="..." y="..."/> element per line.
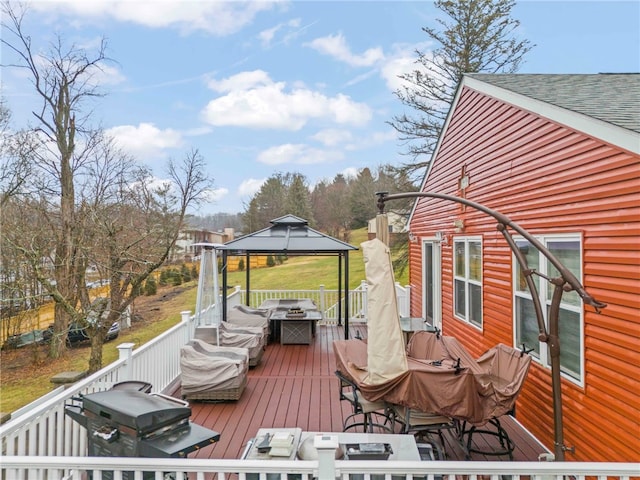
<point x="385" y="339"/>
<point x="438" y="375"/>
<point x="249" y="317"/>
<point x="206" y="367"/>
<point x="446" y="380"/>
<point x="251" y="338"/>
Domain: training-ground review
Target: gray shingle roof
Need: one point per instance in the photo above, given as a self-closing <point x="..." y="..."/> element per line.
<point x="288" y="234"/>
<point x="610" y="97"/>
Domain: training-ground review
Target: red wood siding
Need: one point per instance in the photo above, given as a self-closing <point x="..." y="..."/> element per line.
<point x="549" y="179"/>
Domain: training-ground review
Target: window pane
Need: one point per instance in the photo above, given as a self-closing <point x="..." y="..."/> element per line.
<point x="570" y="343"/>
<point x="568" y="252"/>
<point x="459" y="300"/>
<point x="475" y="261"/>
<point x="532" y="256"/>
<point x="475" y="304"/>
<point x="527" y="325"/>
<point x="458" y="251"/>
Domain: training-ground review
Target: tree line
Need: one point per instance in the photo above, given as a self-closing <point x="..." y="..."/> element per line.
<point x="334" y="206"/>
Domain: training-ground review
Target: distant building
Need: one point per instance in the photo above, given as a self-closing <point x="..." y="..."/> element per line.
<point x="186" y="249"/>
<point x="397" y="224"/>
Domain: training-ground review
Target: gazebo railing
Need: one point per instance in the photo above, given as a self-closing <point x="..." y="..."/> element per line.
<point x="326" y="299"/>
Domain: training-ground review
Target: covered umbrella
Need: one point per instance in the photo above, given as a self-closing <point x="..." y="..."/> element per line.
<point x="385" y="341"/>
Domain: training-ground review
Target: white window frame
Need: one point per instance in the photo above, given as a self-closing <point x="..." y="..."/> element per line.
<point x="545" y="301"/>
<point x="436" y="293"/>
<point x="468" y="280"/>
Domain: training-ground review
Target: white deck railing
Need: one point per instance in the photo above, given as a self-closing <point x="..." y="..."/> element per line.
<point x="46" y="444"/>
<point x="326" y="300"/>
<point x="74" y="468"/>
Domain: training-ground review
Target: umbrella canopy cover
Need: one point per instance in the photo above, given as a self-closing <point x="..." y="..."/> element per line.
<point x="386" y="353"/>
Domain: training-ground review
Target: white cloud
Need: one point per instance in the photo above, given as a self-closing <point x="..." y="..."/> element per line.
<point x="350" y="172"/>
<point x="332" y="137"/>
<point x="145" y="140"/>
<point x="214" y="17"/>
<point x="299" y="154"/>
<point x="106" y="75"/>
<point x="267" y="36"/>
<point x="241" y="81"/>
<point x="336" y="46"/>
<point x="250" y="186"/>
<point x="215" y="194"/>
<point x="403" y="61"/>
<point x="372" y="139"/>
<point x="253" y="100"/>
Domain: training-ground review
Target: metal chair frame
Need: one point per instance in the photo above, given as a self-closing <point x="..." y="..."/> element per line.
<point x="350" y="392"/>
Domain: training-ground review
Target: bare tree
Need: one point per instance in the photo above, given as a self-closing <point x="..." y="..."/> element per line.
<point x="63" y="81"/>
<point x="136" y="221"/>
<point x="477" y="36"/>
<point x="91" y="205"/>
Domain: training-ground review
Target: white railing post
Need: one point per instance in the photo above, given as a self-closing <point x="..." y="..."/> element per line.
<point x="323" y="300"/>
<point x="363" y="305"/>
<point x="185" y="316"/>
<point x="125" y="353"/>
<point x="326" y="446"/>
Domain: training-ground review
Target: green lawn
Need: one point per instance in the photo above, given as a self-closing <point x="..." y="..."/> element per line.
<point x="309" y="272"/>
<point x="24" y="381"/>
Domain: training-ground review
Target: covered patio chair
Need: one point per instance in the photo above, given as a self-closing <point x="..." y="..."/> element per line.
<point x="213" y="373"/>
<point x="364" y="414"/>
<point x="498" y="375"/>
<point x="251" y="338"/>
<point x="244" y="316"/>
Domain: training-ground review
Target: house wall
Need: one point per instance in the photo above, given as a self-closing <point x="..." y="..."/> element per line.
<point x="547" y="178"/>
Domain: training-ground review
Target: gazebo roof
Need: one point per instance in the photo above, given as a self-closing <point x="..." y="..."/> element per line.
<point x="287" y="234"/>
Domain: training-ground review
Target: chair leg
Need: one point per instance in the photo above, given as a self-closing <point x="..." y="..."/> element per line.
<point x="506" y="444"/>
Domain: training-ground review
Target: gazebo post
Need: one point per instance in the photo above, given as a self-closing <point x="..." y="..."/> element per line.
<point x="346" y="288"/>
<point x="247" y="300"/>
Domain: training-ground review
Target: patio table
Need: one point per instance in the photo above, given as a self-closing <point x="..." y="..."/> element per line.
<point x="294" y="329"/>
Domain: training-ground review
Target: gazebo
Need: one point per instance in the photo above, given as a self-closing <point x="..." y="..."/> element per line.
<point x="290" y="235"/>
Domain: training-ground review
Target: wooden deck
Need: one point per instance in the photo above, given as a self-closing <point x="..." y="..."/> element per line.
<point x="295" y="386"/>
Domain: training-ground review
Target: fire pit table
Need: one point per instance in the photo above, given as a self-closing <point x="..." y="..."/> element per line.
<point x="294" y="328"/>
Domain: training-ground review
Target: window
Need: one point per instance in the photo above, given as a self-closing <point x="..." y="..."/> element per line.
<point x="568" y="250"/>
<point x="467" y="280"/>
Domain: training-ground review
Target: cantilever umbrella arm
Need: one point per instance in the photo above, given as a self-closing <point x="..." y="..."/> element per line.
<point x="566" y="282"/>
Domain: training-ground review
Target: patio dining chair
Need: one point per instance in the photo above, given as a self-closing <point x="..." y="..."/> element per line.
<point x="364" y="413"/>
<point x="422" y="424"/>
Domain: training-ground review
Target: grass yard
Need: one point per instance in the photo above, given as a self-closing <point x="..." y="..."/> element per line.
<point x="25" y="373"/>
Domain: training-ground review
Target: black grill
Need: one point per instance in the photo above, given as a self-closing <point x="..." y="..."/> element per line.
<point x="124" y="422"/>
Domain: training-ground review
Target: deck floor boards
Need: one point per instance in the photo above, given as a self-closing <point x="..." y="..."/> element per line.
<point x="295" y="386"/>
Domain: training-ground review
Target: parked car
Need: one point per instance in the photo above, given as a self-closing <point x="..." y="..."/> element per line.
<point x="78" y="332"/>
<point x="34" y="337"/>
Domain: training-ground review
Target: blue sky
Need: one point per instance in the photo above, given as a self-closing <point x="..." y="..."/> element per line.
<point x="285" y="86"/>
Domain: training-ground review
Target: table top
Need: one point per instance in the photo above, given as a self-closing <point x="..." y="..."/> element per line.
<point x="251" y="453"/>
<point x="415" y="324"/>
<point x="404" y="446"/>
<point x="286" y="303"/>
<point x="310" y="315"/>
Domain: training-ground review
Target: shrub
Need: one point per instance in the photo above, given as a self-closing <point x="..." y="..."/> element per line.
<point x="150" y="286"/>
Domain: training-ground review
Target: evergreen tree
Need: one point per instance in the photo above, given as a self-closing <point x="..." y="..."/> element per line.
<point x="477" y="36"/>
<point x="298" y="201"/>
<point x="150" y="286"/>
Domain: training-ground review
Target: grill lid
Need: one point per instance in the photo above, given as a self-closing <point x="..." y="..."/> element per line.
<point x="140" y="411"/>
